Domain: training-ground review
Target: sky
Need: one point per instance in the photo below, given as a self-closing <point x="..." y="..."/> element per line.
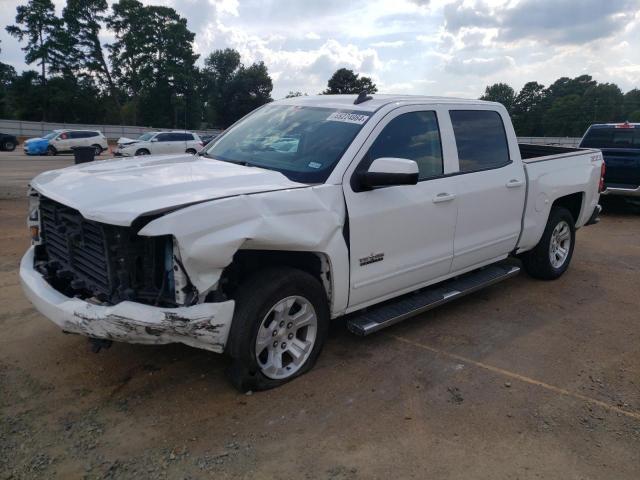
<point x="429" y="47"/>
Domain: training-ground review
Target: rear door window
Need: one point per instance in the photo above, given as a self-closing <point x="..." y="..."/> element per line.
<point x="481" y="139"/>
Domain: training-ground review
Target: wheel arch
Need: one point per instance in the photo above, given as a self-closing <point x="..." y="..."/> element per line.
<point x="572" y="202"/>
<point x="247" y="262"/>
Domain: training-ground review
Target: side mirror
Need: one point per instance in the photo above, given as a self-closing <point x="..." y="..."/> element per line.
<point x="386" y="172"/>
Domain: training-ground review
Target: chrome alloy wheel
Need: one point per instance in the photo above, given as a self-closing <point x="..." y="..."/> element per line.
<point x="560" y="244"/>
<point x="286" y="337"/>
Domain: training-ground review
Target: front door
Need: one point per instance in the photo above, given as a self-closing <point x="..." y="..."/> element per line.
<point x="401" y="237"/>
<point x="162" y="144"/>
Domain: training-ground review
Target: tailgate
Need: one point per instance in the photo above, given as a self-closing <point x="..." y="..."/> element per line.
<point x="623" y="166"/>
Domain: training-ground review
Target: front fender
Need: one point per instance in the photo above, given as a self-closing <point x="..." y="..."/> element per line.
<point x="306" y="219"/>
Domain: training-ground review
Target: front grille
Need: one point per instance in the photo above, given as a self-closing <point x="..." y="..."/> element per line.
<point x="83" y="258"/>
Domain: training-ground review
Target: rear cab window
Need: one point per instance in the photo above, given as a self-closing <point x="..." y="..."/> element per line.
<point x="611" y="136"/>
<point x="481" y="140"/>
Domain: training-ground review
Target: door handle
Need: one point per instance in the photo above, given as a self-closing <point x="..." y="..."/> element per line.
<point x="444" y="197"/>
<point x="514" y="183"/>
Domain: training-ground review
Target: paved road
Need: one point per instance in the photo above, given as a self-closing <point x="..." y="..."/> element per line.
<point x="524" y="380"/>
<point x="16" y="169"/>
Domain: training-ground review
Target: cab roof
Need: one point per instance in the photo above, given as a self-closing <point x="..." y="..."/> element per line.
<point x="346" y="102"/>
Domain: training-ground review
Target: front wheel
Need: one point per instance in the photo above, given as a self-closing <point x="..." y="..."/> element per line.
<point x="98" y="149"/>
<point x="551" y="256"/>
<point x="9" y="146"/>
<point x="51" y="151"/>
<point x="279" y="328"/>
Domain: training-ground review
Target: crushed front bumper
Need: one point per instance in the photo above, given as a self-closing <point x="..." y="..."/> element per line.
<point x="205" y="325"/>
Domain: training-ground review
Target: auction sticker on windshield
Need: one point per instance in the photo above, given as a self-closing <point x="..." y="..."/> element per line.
<point x="348" y="117"/>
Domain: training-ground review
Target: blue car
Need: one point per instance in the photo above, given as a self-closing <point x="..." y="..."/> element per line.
<point x="38" y="146"/>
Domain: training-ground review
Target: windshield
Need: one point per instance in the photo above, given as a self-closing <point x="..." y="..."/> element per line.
<point x="611" y="137"/>
<point x="303" y="143"/>
<point x="49" y="136"/>
<point x="146" y="136"/>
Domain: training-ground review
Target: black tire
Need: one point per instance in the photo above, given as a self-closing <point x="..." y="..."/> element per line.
<point x="142" y="151"/>
<point x="537" y="262"/>
<point x="191" y="151"/>
<point x="9" y="146"/>
<point x="254" y="299"/>
<point x="51" y="151"/>
<point x="98" y="149"/>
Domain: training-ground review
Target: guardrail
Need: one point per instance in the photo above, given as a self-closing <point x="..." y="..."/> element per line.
<point x="28" y="129"/>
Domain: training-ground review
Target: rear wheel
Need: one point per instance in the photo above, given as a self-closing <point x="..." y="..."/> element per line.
<point x="51" y="151"/>
<point x="9" y="145"/>
<point x="191" y="151"/>
<point x="551" y="257"/>
<point x="279" y="327"/>
<point x="142" y="151"/>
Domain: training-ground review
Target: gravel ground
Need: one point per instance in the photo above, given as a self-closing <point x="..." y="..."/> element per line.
<point x="523" y="380"/>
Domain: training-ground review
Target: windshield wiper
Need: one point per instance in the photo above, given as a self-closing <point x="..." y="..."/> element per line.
<point x="238" y="162"/>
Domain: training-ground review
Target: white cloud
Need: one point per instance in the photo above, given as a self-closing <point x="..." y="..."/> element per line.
<point x="383" y="44"/>
<point x="435" y="47"/>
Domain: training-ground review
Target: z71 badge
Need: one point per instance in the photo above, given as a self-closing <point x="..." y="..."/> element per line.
<point x="373" y="258"/>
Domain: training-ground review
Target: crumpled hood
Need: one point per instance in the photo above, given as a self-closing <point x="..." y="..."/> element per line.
<point x="127" y="141"/>
<point x="120" y="190"/>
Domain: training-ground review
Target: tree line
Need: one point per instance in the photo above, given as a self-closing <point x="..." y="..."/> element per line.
<point x="146" y="76"/>
<point x="566" y="107"/>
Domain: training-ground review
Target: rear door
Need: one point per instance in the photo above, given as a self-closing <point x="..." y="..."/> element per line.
<point x="401" y="237"/>
<point x="491" y="188"/>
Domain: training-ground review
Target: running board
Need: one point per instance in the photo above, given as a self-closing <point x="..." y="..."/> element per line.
<point x="393" y="311"/>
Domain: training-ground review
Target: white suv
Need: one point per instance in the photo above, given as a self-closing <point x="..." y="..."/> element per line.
<point x="66" y="140"/>
<point x="160" y="143"/>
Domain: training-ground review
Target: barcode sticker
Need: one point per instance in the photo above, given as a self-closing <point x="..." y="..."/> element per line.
<point x="348" y="117"/>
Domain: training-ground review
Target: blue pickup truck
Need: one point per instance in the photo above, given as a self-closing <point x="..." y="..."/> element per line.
<point x="620" y="146"/>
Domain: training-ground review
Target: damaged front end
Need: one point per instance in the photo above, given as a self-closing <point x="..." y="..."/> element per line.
<point x="108" y="282"/>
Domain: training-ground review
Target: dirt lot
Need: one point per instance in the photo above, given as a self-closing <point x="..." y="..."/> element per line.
<point x="524" y="380"/>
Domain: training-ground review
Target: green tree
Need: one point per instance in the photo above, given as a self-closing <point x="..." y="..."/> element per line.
<point x="232" y="90"/>
<point x="37" y="22"/>
<point x="153" y="62"/>
<point x="84" y="19"/>
<point x="569" y="86"/>
<point x="26" y="96"/>
<point x="346" y="81"/>
<point x="7" y="76"/>
<point x="501" y="93"/>
<point x="565" y="117"/>
<point x="131" y="54"/>
<point x="528" y="110"/>
<point x="602" y="103"/>
<point x="631" y="105"/>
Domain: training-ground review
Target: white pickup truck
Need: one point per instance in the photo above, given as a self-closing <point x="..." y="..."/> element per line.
<point x="307" y="209"/>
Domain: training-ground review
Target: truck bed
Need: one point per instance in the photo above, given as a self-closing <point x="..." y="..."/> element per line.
<point x="534" y="153"/>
